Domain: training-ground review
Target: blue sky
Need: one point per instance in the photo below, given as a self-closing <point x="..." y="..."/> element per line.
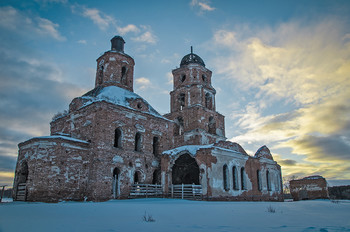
<point x="281" y="69"/>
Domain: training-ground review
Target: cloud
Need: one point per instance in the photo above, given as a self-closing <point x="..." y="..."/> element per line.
<point x="146" y="37"/>
<point x="82" y="41"/>
<point x="127" y="29"/>
<point x="102" y="20"/>
<point x="22" y="23"/>
<point x="142" y="83"/>
<point x="301" y="72"/>
<point x="201" y="5"/>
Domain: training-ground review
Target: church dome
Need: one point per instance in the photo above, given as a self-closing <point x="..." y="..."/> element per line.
<point x="191" y="59"/>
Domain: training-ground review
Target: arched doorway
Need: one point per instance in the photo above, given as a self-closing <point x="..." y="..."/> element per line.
<point x="185" y="170"/>
<point x="116" y="184"/>
<point x="156" y="177"/>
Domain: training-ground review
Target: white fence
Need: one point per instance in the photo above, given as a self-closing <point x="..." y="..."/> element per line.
<point x="182" y="191"/>
<point x="186" y="191"/>
<point x="146" y="190"/>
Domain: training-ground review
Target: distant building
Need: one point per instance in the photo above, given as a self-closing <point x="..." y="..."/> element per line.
<point x="309" y="188"/>
<point x="111" y="138"/>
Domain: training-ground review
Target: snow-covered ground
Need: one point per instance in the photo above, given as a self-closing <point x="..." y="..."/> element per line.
<point x="176" y="215"/>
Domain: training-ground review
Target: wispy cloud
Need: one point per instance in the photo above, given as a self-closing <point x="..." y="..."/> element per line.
<point x="201" y="5"/>
<point x="127" y="29"/>
<point x="146" y="37"/>
<point x="142" y="33"/>
<point x="20" y="22"/>
<point x="82" y="41"/>
<point x="102" y="20"/>
<point x="305" y="66"/>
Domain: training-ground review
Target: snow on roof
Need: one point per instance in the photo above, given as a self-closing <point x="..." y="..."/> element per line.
<point x="192" y="149"/>
<point x="117" y="96"/>
<point x="315" y="177"/>
<point x="61" y="137"/>
<point x="332" y="183"/>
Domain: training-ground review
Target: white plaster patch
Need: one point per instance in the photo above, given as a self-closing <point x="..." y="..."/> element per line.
<point x="118" y="159"/>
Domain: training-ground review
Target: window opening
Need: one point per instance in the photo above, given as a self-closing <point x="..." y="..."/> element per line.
<point x="258" y="179"/>
<point x="118" y="138"/>
<point x="100" y="75"/>
<point x="183" y="78"/>
<point x="123" y="77"/>
<point x="242" y="179"/>
<point x="182" y="97"/>
<point x="212" y="125"/>
<point x="268" y="180"/>
<point x="225" y="178"/>
<point x="138" y="141"/>
<point x="208" y="101"/>
<point x="155" y="146"/>
<point x="234" y="177"/>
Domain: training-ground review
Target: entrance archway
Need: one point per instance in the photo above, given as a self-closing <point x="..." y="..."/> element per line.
<point x="185" y="170"/>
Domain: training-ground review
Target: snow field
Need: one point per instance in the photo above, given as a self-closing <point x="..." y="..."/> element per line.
<point x="175" y="215"/>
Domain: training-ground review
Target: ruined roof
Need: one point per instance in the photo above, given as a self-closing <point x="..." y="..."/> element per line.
<point x="118" y="96"/>
<point x="263" y="152"/>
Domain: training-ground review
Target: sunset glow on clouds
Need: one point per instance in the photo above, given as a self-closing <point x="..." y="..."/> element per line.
<point x="281" y="70"/>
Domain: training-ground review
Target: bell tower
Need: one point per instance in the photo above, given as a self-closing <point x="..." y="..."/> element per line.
<point x="115" y="67"/>
<point x="192" y="104"/>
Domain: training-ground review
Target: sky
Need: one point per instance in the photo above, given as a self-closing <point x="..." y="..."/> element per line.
<point x="281" y="69"/>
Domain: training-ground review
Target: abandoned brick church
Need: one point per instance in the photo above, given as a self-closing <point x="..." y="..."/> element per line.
<point x="111" y="139"/>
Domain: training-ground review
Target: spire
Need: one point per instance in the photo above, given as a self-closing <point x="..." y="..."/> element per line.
<point x="191" y="50"/>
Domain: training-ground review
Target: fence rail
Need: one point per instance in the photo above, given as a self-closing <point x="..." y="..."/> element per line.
<point x="182" y="191"/>
<point x="186" y="191"/>
<point x="21" y="192"/>
<point x="146" y="190"/>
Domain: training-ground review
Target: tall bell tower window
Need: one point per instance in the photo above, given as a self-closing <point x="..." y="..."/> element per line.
<point x="208" y="101"/>
<point x="182" y="100"/>
<point x="100" y="75"/>
<point x="123" y="76"/>
<point x="183" y="78"/>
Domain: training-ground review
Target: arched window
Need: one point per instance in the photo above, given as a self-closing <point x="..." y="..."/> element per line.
<point x="258" y="179"/>
<point x="155" y="146"/>
<point x="138" y="141"/>
<point x="118" y="138"/>
<point x="100" y="75"/>
<point x="183" y="78"/>
<point x="204" y="78"/>
<point x="181" y="125"/>
<point x="225" y="177"/>
<point x="243" y="185"/>
<point x="208" y="101"/>
<point x="123" y="76"/>
<point x="212" y="125"/>
<point x="182" y="97"/>
<point x="116" y="185"/>
<point x="268" y="180"/>
<point x="235" y="178"/>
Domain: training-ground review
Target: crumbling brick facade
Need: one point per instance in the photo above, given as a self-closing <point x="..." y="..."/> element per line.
<point x="309" y="188"/>
<point x="112" y="138"/>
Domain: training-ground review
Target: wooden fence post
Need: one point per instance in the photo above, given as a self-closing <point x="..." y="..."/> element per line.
<point x="182" y="191"/>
